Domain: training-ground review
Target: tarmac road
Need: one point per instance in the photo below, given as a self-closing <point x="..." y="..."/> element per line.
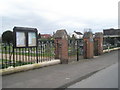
<point x="106" y="78"/>
<point x="61" y="75"/>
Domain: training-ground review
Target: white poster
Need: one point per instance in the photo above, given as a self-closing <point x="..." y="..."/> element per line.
<point x="31" y="39"/>
<point x="20" y="39"/>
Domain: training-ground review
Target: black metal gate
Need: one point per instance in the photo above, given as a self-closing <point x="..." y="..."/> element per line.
<point x="96" y="47"/>
<point x="85" y="49"/>
<point x="75" y="49"/>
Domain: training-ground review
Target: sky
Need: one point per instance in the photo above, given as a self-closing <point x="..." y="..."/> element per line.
<point x="51" y="15"/>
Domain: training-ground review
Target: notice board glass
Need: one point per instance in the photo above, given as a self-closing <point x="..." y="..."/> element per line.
<point x="31" y="39"/>
<point x="20" y="39"/>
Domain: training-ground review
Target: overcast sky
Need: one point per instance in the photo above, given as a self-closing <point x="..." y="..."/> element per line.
<point x="51" y="15"/>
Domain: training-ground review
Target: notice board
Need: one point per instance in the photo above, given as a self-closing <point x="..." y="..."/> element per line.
<point x="25" y="37"/>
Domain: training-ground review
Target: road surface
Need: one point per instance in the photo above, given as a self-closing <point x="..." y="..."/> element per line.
<point x="61" y="75"/>
<point x="107" y="78"/>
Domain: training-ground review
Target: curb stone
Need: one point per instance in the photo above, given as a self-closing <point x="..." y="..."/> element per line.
<point x="11" y="70"/>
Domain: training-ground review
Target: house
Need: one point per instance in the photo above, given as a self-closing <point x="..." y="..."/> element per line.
<point x="44" y="36"/>
<point x="77" y="35"/>
<point x="112" y="36"/>
<point x="111" y="32"/>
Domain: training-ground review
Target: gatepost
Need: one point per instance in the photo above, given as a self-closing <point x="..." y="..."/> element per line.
<point x="61" y="45"/>
<point x="98" y="43"/>
<point x="88" y="45"/>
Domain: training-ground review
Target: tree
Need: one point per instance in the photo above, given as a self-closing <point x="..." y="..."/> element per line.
<point x="7" y="37"/>
<point x="87" y="30"/>
<point x="39" y="36"/>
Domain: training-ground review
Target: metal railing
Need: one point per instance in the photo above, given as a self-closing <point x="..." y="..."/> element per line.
<point x="12" y="57"/>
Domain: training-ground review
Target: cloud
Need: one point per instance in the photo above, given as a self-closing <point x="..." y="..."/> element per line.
<point x="51" y="15"/>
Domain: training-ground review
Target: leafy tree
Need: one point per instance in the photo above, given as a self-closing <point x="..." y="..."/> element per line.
<point x="7" y="37"/>
<point x="39" y="35"/>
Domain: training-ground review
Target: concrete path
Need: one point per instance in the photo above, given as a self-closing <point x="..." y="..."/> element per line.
<point x="61" y="75"/>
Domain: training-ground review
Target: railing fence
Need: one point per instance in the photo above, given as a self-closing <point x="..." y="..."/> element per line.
<point x="11" y="56"/>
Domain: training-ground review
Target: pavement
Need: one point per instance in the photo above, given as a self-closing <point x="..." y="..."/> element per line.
<point x="61" y="75"/>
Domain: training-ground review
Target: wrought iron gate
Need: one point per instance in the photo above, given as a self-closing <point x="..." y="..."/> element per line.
<point x="96" y="47"/>
<point x="75" y="49"/>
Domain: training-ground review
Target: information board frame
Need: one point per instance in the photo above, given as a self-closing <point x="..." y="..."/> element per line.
<point x="19" y="40"/>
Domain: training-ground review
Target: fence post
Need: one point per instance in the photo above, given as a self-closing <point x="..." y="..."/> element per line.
<point x="98" y="43"/>
<point x="88" y="45"/>
<point x="61" y="45"/>
<point x="77" y="50"/>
